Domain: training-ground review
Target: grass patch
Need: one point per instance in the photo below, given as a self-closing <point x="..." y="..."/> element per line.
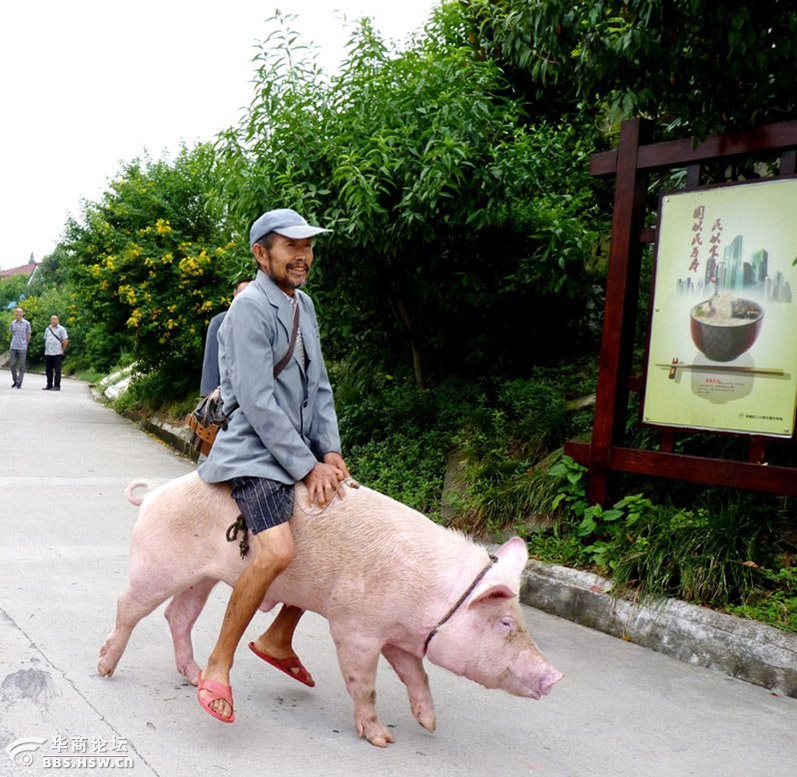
<point x="729" y="550"/>
<point x="773" y="599"/>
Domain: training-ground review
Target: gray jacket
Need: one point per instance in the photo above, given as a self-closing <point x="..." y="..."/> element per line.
<point x="280" y="428"/>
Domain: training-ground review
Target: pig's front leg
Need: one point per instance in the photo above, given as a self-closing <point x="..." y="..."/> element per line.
<point x="410" y="670"/>
<point x="358" y="657"/>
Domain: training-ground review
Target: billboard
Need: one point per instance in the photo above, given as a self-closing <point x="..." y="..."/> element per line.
<point x="723" y="335"/>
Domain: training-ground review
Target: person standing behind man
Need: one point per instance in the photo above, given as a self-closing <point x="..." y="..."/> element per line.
<point x="281" y="430"/>
<point x="20" y="337"/>
<point x="56" y="341"/>
<point x="211" y="379"/>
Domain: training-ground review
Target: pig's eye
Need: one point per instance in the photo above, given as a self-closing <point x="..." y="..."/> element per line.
<point x="507" y="623"/>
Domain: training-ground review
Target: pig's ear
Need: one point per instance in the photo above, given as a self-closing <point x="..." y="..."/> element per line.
<point x="493" y="594"/>
<point x="513" y="556"/>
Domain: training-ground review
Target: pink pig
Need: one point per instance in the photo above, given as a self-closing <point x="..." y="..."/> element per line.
<point x="386" y="578"/>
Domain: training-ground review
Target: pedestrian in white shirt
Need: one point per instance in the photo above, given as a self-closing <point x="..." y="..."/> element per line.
<point x="56" y="341"/>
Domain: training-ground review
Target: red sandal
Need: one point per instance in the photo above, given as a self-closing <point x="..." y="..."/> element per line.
<point x="286" y="665"/>
<point x="217" y="692"/>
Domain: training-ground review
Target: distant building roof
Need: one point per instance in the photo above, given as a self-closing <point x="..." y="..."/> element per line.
<point x="25" y="269"/>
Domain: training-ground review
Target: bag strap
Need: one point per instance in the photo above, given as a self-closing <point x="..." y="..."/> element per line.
<point x="283" y="362"/>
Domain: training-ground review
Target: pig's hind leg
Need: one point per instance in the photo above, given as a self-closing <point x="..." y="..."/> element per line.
<point x="410" y="670"/>
<point x="358" y="657"/>
<point x="133" y="605"/>
<point x="182" y="612"/>
<point x="149" y="587"/>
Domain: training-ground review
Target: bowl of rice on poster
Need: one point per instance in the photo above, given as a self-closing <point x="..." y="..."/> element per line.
<point x="723" y="334"/>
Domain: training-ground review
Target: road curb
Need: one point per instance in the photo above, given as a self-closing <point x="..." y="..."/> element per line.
<point x="176" y="437"/>
<point x="741" y="648"/>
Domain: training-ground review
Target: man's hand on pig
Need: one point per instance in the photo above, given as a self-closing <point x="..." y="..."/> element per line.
<point x="325" y="479"/>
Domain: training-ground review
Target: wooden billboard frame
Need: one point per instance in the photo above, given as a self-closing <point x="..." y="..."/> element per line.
<point x="635" y="158"/>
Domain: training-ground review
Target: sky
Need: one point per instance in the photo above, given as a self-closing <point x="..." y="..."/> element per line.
<point x="86" y="85"/>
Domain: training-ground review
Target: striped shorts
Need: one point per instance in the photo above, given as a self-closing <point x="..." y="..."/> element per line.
<point x="263" y="503"/>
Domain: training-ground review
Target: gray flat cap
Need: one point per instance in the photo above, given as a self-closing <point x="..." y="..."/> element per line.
<point x="283" y="221"/>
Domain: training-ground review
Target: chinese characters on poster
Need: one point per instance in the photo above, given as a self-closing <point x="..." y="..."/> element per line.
<point x="723" y="337"/>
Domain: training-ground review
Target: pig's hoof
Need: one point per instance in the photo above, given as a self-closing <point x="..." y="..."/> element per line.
<point x="192" y="676"/>
<point x="190" y="671"/>
<point x="381" y="741"/>
<point x="375" y="733"/>
<point x="105" y="670"/>
<point x="427" y="721"/>
<point x="423" y="712"/>
<point x="105" y="667"/>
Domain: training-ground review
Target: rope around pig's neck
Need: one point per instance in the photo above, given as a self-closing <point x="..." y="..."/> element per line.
<point x="459" y="602"/>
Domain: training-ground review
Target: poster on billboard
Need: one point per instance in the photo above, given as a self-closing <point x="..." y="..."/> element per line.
<point x="723" y="335"/>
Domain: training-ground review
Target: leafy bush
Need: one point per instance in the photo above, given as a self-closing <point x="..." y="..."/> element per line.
<point x="399" y="439"/>
<point x="407" y="466"/>
<point x="511" y="439"/>
<point x="155" y="393"/>
<point x="718" y="550"/>
<point x="396" y="436"/>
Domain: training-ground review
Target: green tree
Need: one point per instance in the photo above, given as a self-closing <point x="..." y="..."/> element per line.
<point x="12" y="291"/>
<point x="696" y="65"/>
<point x="462" y="229"/>
<point x="151" y="263"/>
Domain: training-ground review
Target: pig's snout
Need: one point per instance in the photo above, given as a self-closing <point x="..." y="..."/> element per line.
<point x="550" y="677"/>
<point x="538" y="680"/>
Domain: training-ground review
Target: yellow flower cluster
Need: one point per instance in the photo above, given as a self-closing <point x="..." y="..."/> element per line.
<point x="128" y="294"/>
<point x="190" y="266"/>
<point x="194" y="266"/>
<point x="162" y="227"/>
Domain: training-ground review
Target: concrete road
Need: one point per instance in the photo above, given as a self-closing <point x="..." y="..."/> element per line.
<point x="621" y="711"/>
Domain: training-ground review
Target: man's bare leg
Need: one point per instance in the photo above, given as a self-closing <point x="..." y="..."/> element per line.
<point x="277" y="640"/>
<point x="273" y="551"/>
